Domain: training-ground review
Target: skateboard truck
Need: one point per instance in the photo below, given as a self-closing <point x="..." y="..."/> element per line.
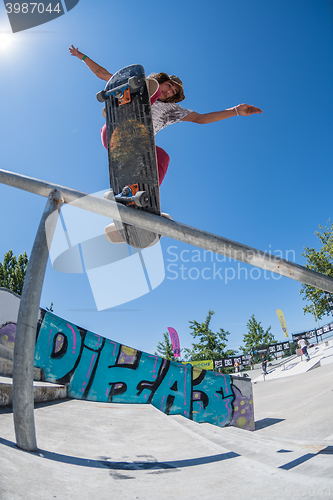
<point x="122" y="92"/>
<point x="130" y="195"/>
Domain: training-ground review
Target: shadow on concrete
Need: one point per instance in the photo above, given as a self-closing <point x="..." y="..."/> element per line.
<point x="298" y="461"/>
<point x="123" y="466"/>
<point x="9" y="409"/>
<point x="267" y="422"/>
<point x="326" y="451"/>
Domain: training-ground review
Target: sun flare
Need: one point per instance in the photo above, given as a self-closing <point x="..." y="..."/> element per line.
<point x="6" y="41"/>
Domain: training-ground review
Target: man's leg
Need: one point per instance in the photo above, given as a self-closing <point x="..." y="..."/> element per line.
<point x="104" y="137"/>
<point x="163" y="160"/>
<point x="162" y="157"/>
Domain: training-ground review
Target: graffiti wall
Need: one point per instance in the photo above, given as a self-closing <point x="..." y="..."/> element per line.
<point x="98" y="369"/>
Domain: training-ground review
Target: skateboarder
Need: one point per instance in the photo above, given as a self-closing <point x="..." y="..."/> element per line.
<point x="303" y="345"/>
<point x="165" y="110"/>
<point x="264" y="361"/>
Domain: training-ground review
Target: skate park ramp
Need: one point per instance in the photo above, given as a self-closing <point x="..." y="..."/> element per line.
<point x="96" y="450"/>
<point x="320" y="355"/>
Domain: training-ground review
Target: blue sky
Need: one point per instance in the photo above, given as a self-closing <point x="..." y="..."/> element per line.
<point x="264" y="181"/>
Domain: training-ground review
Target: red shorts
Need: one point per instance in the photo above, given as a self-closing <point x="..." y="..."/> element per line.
<point x="163" y="159"/>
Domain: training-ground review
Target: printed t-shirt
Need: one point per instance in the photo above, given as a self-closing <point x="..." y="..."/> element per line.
<point x="167" y="113"/>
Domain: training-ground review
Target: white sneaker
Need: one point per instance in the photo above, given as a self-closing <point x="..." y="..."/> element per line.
<point x="111" y="233"/>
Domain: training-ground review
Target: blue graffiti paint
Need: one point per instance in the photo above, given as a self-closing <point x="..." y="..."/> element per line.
<point x="56" y="365"/>
<point x="98" y="369"/>
<point x="212" y="397"/>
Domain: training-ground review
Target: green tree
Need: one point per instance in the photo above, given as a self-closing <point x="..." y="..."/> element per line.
<point x="256" y="336"/>
<point x="322" y="262"/>
<point x="211" y="345"/>
<point x="12" y="271"/>
<point x="165" y="349"/>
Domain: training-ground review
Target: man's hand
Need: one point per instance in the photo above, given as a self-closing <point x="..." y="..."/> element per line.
<point x="102" y="73"/>
<point x="75" y="52"/>
<point x="246" y="110"/>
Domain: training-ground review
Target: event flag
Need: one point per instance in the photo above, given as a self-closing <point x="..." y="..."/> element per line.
<point x="175" y="342"/>
<point x="282" y="321"/>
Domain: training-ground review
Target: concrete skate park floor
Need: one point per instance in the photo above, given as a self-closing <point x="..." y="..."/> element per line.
<point x="91" y="450"/>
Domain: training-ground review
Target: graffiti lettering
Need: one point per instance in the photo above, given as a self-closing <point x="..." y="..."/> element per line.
<point x="98" y="369"/>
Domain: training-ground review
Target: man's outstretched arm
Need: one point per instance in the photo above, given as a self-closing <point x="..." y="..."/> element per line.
<point x="99" y="71"/>
<point x="216" y="116"/>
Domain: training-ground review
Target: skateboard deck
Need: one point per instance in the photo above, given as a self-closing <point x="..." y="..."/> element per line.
<point x="131" y="150"/>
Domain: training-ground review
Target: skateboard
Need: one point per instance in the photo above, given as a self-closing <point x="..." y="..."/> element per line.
<point x="131" y="150"/>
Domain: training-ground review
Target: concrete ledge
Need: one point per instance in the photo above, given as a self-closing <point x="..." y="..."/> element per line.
<point x="328" y="351"/>
<point x="326" y="360"/>
<point x="6" y="369"/>
<point x="43" y="391"/>
<point x="6" y="352"/>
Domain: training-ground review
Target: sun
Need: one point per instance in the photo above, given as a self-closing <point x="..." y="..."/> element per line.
<point x="6" y="41"/>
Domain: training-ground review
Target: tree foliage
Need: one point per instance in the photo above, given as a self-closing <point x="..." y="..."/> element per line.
<point x="12" y="271"/>
<point x="322" y="262"/>
<point x="165" y="349"/>
<point x="256" y="336"/>
<point x="210" y="345"/>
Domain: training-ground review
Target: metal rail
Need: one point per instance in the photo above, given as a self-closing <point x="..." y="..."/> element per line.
<point x="173" y="229"/>
<point x="23" y="398"/>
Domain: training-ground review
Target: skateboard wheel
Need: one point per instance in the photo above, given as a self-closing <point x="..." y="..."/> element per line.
<point x="101" y="96"/>
<point x="141" y="199"/>
<point x="134" y="82"/>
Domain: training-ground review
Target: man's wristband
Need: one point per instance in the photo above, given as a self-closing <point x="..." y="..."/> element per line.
<point x="236" y="110"/>
<point x="85" y="57"/>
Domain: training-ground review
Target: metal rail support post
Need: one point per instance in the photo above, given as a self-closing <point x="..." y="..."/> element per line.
<point x="25" y="338"/>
